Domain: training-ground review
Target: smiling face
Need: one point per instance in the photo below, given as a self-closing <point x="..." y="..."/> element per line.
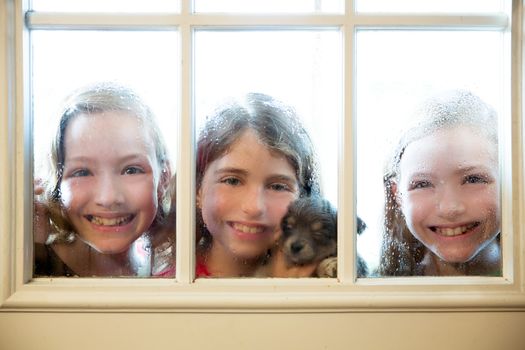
<point x="448" y="190"/>
<point x="243" y="197"/>
<point x="110" y="179"/>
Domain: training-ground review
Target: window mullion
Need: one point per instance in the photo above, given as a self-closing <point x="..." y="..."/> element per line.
<point x="346" y="217"/>
<point x="185" y="260"/>
<point x="118" y="21"/>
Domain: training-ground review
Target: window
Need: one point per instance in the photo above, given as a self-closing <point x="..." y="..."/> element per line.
<point x="362" y="52"/>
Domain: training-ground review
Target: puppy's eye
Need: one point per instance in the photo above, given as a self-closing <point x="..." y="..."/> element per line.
<point x="290" y="221"/>
<point x="316" y="226"/>
<point x="321" y="237"/>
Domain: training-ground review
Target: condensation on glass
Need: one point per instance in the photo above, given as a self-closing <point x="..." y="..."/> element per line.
<point x="427" y="177"/>
<point x="244" y="192"/>
<point x="108" y="178"/>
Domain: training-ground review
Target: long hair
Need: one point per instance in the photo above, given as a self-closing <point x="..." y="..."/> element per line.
<point x="276" y="125"/>
<point x="92" y="99"/>
<point x="401" y="252"/>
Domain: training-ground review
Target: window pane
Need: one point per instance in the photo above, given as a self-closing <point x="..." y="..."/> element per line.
<point x="106" y="5"/>
<point x="64" y="61"/>
<point x="397" y="71"/>
<point x="270" y="6"/>
<point x="302" y="69"/>
<point x="414" y="6"/>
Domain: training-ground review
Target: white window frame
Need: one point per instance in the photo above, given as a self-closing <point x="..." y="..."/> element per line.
<point x="18" y="291"/>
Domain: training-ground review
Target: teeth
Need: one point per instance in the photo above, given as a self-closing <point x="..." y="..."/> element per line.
<point x="451" y="232"/>
<point x="247" y="229"/>
<point x="110" y="221"/>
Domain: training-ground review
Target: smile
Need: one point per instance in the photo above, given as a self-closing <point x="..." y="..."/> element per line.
<point x="452" y="232"/>
<point x="118" y="221"/>
<point x="247" y="229"/>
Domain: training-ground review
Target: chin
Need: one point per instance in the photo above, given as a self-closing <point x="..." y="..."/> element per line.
<point x="113" y="249"/>
<point x="455" y="258"/>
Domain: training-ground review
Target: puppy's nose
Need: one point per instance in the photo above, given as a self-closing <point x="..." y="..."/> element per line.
<point x="296" y="247"/>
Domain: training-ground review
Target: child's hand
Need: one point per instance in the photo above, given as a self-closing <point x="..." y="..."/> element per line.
<point x="41" y="216"/>
<point x="280" y="268"/>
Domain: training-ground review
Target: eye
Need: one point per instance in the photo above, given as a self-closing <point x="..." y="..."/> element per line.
<point x="476" y="179"/>
<point x="419" y="184"/>
<point x="80" y="173"/>
<point x="132" y="170"/>
<point x="232" y="181"/>
<point x="279" y="187"/>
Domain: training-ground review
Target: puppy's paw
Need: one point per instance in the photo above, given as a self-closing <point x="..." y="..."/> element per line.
<point x="327" y="267"/>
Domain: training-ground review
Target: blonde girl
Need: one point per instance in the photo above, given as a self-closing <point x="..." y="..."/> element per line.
<point x="442" y="211"/>
<point x="107" y="192"/>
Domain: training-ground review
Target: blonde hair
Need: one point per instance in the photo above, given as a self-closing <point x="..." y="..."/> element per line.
<point x="401" y="252"/>
<point x="91" y="99"/>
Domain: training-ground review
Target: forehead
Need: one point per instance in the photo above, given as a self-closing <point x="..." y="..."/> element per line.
<point x="249" y="150"/>
<point x="112" y="130"/>
<point x="457" y="147"/>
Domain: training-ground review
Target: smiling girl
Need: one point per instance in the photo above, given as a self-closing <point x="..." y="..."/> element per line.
<point x="442" y="192"/>
<point x="254" y="158"/>
<point x="107" y="193"/>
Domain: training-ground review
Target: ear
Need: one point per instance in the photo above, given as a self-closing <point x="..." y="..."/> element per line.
<point x="198" y="199"/>
<point x="165" y="180"/>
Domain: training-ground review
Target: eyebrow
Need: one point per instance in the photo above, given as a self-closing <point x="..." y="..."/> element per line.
<point x="239" y="171"/>
<point x="126" y="158"/>
<point x="459" y="171"/>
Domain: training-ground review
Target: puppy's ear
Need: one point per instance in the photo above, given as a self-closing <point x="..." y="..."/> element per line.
<point x="361" y="225"/>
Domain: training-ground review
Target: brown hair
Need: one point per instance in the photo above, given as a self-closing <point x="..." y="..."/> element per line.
<point x="275" y="124"/>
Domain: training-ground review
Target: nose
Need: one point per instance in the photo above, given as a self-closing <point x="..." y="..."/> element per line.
<point x="108" y="193"/>
<point x="450" y="203"/>
<point x="253" y="202"/>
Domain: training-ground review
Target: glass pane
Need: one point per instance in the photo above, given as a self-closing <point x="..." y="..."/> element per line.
<point x="414" y="6"/>
<point x="270" y="6"/>
<point x="397" y="71"/>
<point x="104" y="210"/>
<point x="106" y="5"/>
<point x="301" y="69"/>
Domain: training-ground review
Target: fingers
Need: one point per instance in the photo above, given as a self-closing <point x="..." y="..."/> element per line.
<point x="41" y="216"/>
<point x="38" y="187"/>
<point x="280" y="268"/>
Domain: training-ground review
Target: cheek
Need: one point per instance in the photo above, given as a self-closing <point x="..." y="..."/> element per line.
<point x="145" y="196"/>
<point x="70" y="193"/>
<point x="489" y="204"/>
<point x="215" y="203"/>
<point x="415" y="208"/>
<point x="279" y="207"/>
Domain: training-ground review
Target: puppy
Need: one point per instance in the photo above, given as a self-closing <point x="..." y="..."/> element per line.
<point x="310" y="235"/>
<point x="309" y="231"/>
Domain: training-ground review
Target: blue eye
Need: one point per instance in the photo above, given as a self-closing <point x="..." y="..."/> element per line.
<point x="132" y="170"/>
<point x="475" y="179"/>
<point x="414" y="185"/>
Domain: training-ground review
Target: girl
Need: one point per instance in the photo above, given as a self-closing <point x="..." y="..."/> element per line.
<point x="442" y="211"/>
<point x="253" y="159"/>
<point x="107" y="194"/>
